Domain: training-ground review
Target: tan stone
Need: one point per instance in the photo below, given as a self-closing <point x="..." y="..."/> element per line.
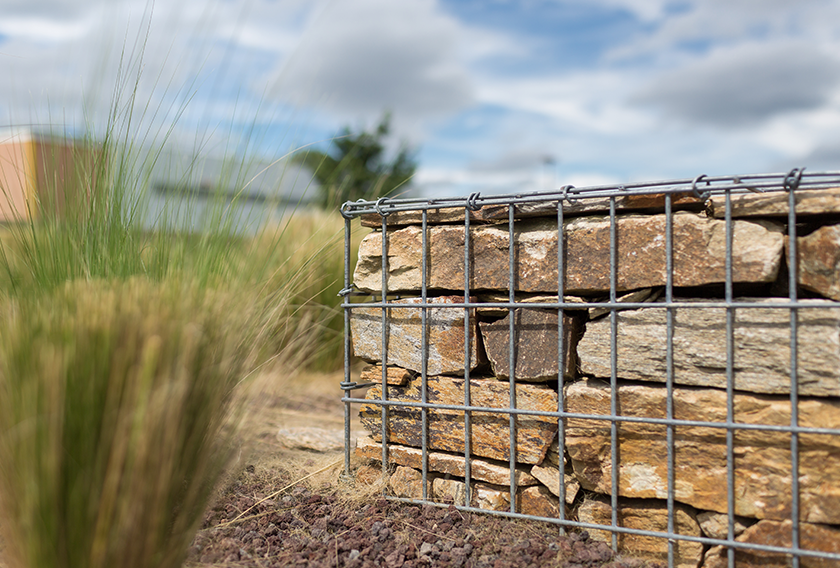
<point x="536" y="352"/>
<point x="699" y="245"/>
<point x="645" y="295"/>
<point x="648" y="203"/>
<point x="450" y="464"/>
<point x="312" y="439"/>
<point x="716" y="525"/>
<point x="775" y="203"/>
<point x="761" y="341"/>
<point x="538" y="501"/>
<point x="645" y="514"/>
<point x="761" y="458"/>
<point x="445" y="339"/>
<point x="490" y="431"/>
<point x="406" y="482"/>
<point x="819" y="261"/>
<point x="549" y="475"/>
<point x="449" y="490"/>
<point x="438" y="216"/>
<point x="394" y="375"/>
<point x="498" y="297"/>
<point x="812" y="537"/>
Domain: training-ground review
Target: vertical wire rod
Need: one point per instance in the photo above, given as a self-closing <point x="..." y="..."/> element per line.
<point x="347" y="408"/>
<point x="468" y="362"/>
<point x="512" y="354"/>
<point x="424" y="365"/>
<point x="793" y="283"/>
<point x="613" y="374"/>
<point x="669" y="369"/>
<point x="384" y="395"/>
<point x="730" y="384"/>
<point x="561" y="366"/>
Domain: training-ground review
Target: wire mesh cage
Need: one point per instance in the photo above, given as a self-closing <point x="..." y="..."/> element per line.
<point x="656" y="363"/>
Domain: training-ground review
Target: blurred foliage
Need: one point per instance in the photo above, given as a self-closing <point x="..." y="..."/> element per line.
<point x="356" y="166"/>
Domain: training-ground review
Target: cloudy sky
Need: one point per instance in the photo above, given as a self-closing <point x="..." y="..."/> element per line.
<point x="496" y="95"/>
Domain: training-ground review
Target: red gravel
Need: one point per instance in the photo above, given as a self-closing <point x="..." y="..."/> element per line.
<point x="324" y="528"/>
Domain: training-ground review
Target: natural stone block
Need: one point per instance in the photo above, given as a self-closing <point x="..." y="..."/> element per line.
<point x="775" y="203"/>
<point x="699" y="246"/>
<point x="443" y="215"/>
<point x="498" y="297"/>
<point x="490" y="432"/>
<point x="445" y="335"/>
<point x="819" y="261"/>
<point x="497" y="473"/>
<point x="406" y="482"/>
<point x="536" y="352"/>
<point x="449" y="490"/>
<point x="716" y="525"/>
<point x="549" y="475"/>
<point x="761" y="347"/>
<point x="645" y="514"/>
<point x="761" y="458"/>
<point x="535" y="500"/>
<point x="812" y="537"/>
<point x="311" y="439"/>
<point x="393" y="376"/>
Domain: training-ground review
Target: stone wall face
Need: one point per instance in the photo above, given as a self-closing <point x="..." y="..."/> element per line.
<point x="566" y="362"/>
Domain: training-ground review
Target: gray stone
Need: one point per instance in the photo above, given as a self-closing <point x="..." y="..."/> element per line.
<point x="762" y="457"/>
<point x="312" y="439"/>
<point x="699" y="245"/>
<point x="445" y="336"/>
<point x="716" y="525"/>
<point x="536" y="352"/>
<point x="761" y="341"/>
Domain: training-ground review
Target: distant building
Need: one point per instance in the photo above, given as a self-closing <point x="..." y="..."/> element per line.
<point x="42" y="172"/>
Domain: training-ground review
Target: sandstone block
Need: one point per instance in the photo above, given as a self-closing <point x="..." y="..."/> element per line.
<point x="535" y="500"/>
<point x="762" y="458"/>
<point x="699" y="245"/>
<point x="819" y="261"/>
<point x="445" y="336"/>
<point x="406" y="482"/>
<point x="536" y="352"/>
<point x="774" y="533"/>
<point x="645" y="514"/>
<point x="449" y="490"/>
<point x="494" y="472"/>
<point x="761" y="340"/>
<point x="490" y="432"/>
<point x="775" y="203"/>
<point x="393" y="376"/>
<point x="549" y="475"/>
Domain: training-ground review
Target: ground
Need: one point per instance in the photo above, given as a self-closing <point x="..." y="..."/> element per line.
<point x="289" y="506"/>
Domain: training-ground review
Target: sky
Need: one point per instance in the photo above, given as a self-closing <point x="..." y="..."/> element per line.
<point x="496" y="96"/>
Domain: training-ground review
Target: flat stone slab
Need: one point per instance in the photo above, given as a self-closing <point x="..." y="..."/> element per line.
<point x="393" y="375"/>
<point x="774" y="533"/>
<point x="762" y="458"/>
<point x="699" y="246"/>
<point x="490" y="431"/>
<point x="490" y="471"/>
<point x="775" y="203"/>
<point x="761" y="344"/>
<point x="650" y="515"/>
<point x="536" y="345"/>
<point x="445" y="336"/>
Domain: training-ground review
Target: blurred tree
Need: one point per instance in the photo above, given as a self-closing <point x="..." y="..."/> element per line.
<point x="356" y="166"/>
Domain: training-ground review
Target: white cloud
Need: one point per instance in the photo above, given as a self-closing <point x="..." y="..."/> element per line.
<point x="745" y="85"/>
<point x="362" y="57"/>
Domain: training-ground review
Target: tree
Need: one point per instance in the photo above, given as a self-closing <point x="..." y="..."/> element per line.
<point x="356" y="166"/>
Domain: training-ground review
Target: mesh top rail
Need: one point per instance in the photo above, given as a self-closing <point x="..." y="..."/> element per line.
<point x="656" y="363"/>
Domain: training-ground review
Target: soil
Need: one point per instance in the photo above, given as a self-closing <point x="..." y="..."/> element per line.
<point x="291" y="507"/>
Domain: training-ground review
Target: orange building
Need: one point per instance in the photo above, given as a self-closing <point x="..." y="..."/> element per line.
<point x="41" y="172"/>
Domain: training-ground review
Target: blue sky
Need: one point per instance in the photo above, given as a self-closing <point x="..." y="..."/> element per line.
<point x="496" y="95"/>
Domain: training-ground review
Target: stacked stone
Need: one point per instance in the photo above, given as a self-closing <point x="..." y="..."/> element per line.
<point x="761" y="366"/>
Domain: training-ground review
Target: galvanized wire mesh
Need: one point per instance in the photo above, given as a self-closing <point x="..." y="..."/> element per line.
<point x="561" y="200"/>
